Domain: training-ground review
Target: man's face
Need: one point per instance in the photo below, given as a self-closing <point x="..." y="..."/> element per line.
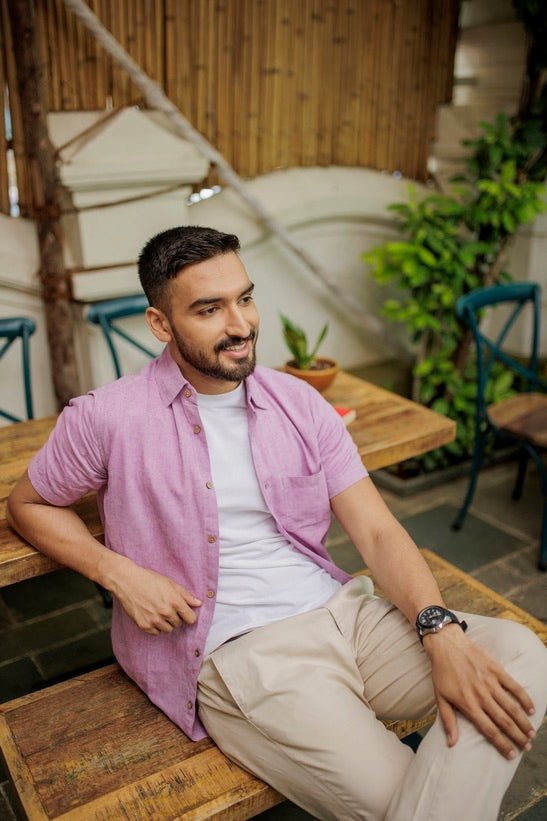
<point x="212" y="323"/>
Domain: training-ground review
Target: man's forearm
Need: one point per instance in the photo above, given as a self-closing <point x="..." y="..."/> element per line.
<point x="60" y="534"/>
<point x="396" y="564"/>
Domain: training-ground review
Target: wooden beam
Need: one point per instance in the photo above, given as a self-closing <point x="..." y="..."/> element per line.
<point x="46" y="195"/>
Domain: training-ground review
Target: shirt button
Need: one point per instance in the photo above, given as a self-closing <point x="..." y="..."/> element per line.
<point x="190" y="704"/>
<point x="197" y="653"/>
<point x="208" y="485"/>
<point x="211" y="539"/>
<point x="197" y="429"/>
<point x="210" y="594"/>
<point x="187" y="393"/>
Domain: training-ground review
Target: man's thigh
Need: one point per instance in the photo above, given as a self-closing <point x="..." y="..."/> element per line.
<point x="286" y="702"/>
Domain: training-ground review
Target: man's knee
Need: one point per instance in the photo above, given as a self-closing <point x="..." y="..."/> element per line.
<point x="524" y="657"/>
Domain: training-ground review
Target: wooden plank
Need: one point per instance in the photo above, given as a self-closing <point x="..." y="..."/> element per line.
<point x="524" y="415"/>
<point x="388" y="428"/>
<point x="96" y="748"/>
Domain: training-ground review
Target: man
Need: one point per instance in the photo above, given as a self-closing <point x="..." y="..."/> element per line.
<point x="216" y="482"/>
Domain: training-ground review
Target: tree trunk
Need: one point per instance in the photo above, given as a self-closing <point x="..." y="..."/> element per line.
<point x="45" y="201"/>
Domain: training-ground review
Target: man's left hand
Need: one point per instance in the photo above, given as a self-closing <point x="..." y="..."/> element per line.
<point x="468" y="679"/>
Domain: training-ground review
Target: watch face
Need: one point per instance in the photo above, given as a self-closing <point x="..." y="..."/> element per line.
<point x="431" y="616"/>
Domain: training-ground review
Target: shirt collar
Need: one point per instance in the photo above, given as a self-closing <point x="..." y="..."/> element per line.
<point x="170" y="381"/>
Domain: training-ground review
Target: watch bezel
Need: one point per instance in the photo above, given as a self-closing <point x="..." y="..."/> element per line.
<point x="427" y="623"/>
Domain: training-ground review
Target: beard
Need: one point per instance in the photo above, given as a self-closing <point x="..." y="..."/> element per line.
<point x="210" y="364"/>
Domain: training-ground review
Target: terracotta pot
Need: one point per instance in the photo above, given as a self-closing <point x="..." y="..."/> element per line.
<point x="319" y="378"/>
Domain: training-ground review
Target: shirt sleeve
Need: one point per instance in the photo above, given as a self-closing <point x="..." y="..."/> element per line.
<point x="339" y="455"/>
<point x="71" y="462"/>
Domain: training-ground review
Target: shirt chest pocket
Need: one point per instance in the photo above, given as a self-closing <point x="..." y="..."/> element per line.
<point x="302" y="502"/>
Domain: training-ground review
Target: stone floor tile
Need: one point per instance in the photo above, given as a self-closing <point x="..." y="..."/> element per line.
<point x="5" y="616"/>
<point x="18" y="678"/>
<point x="529" y="782"/>
<point x="501" y="577"/>
<point x="83" y="653"/>
<point x="536" y="813"/>
<point x="25" y="638"/>
<point x="533" y="597"/>
<point x="44" y="594"/>
<point x="286" y="812"/>
<point x="346" y="556"/>
<point x="478" y="543"/>
<point x="6" y="812"/>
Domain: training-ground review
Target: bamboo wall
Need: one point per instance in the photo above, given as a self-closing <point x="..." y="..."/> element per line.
<point x="271" y="83"/>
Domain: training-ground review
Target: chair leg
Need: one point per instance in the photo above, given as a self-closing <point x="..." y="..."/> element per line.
<point x="542" y="562"/>
<point x="106" y="596"/>
<point x="457" y="524"/>
<point x="521" y="475"/>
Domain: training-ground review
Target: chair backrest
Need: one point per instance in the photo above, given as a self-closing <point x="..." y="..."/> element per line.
<point x="490" y="350"/>
<point x="105" y="313"/>
<point x="12" y="328"/>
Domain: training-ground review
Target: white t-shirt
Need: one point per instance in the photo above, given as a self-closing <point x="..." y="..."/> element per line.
<point x="262" y="577"/>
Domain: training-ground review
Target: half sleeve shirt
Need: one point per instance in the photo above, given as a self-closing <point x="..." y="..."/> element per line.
<point x="140" y="443"/>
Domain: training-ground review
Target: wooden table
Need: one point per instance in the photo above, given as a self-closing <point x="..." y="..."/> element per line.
<point x="94" y="748"/>
<point x="388" y="428"/>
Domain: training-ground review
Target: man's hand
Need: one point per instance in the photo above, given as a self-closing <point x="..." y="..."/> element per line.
<point x="468" y="679"/>
<point x="156" y="603"/>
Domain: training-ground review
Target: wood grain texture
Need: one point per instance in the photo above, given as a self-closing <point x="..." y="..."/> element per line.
<point x="95" y="748"/>
<point x="524" y="415"/>
<point x="388" y="428"/>
<point x="269" y="82"/>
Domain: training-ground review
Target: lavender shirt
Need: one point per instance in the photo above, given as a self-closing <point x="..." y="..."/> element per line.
<point x="140" y="444"/>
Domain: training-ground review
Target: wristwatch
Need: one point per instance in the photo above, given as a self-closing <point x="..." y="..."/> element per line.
<point x="433" y="618"/>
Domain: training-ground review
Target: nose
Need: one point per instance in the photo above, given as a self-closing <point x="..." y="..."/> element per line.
<point x="237" y="325"/>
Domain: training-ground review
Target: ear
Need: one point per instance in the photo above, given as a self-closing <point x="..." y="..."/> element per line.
<point x="159" y="324"/>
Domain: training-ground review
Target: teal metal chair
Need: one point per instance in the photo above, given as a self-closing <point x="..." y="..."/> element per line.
<point x="11" y="329"/>
<point x="106" y="313"/>
<point x="522" y="419"/>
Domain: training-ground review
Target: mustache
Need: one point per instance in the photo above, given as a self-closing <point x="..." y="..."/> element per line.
<point x="234" y="340"/>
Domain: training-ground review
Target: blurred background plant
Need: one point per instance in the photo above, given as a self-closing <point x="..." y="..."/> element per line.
<point x="452" y="244"/>
<point x="297" y="343"/>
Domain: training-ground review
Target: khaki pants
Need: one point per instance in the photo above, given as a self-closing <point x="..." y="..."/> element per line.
<point x="298" y="703"/>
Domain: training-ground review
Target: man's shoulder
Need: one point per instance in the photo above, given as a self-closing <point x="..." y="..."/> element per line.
<point x="128" y="393"/>
<point x="281" y="387"/>
<point x="270" y="378"/>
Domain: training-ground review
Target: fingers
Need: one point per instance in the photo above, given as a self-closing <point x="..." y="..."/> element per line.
<point x="517" y="691"/>
<point x="173" y="613"/>
<point x="449" y="721"/>
<point x="501" y="720"/>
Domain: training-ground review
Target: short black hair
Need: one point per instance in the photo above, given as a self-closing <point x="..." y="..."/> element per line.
<point x="167" y="253"/>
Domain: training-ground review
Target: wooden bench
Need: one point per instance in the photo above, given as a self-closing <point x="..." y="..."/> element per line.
<point x="95" y="748"/>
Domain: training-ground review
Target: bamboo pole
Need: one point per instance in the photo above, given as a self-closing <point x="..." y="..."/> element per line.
<point x="45" y="200"/>
<point x="156" y="98"/>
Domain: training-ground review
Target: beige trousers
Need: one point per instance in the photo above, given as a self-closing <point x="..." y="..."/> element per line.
<point x="298" y="703"/>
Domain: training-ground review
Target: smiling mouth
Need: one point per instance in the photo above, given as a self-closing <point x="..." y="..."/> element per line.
<point x="237" y="344"/>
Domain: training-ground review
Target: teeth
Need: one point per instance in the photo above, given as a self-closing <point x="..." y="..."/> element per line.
<point x="235" y="347"/>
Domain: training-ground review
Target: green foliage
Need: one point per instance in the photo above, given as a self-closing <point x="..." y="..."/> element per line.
<point x="449" y="246"/>
<point x="297" y="343"/>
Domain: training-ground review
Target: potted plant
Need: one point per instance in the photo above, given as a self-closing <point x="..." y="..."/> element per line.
<point x="317" y="371"/>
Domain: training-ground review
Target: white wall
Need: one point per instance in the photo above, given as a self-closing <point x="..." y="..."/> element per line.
<point x="20" y="296"/>
<point x="336" y="213"/>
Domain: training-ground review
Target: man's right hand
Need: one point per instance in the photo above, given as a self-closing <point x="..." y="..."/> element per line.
<point x="156" y="603"/>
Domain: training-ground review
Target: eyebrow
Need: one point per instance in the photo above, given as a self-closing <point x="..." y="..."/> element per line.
<point x="210" y="300"/>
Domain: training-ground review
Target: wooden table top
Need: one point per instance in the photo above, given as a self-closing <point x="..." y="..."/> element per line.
<point x="388" y="429"/>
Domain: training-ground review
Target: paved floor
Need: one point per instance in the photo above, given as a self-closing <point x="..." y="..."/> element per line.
<point x="55" y="625"/>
